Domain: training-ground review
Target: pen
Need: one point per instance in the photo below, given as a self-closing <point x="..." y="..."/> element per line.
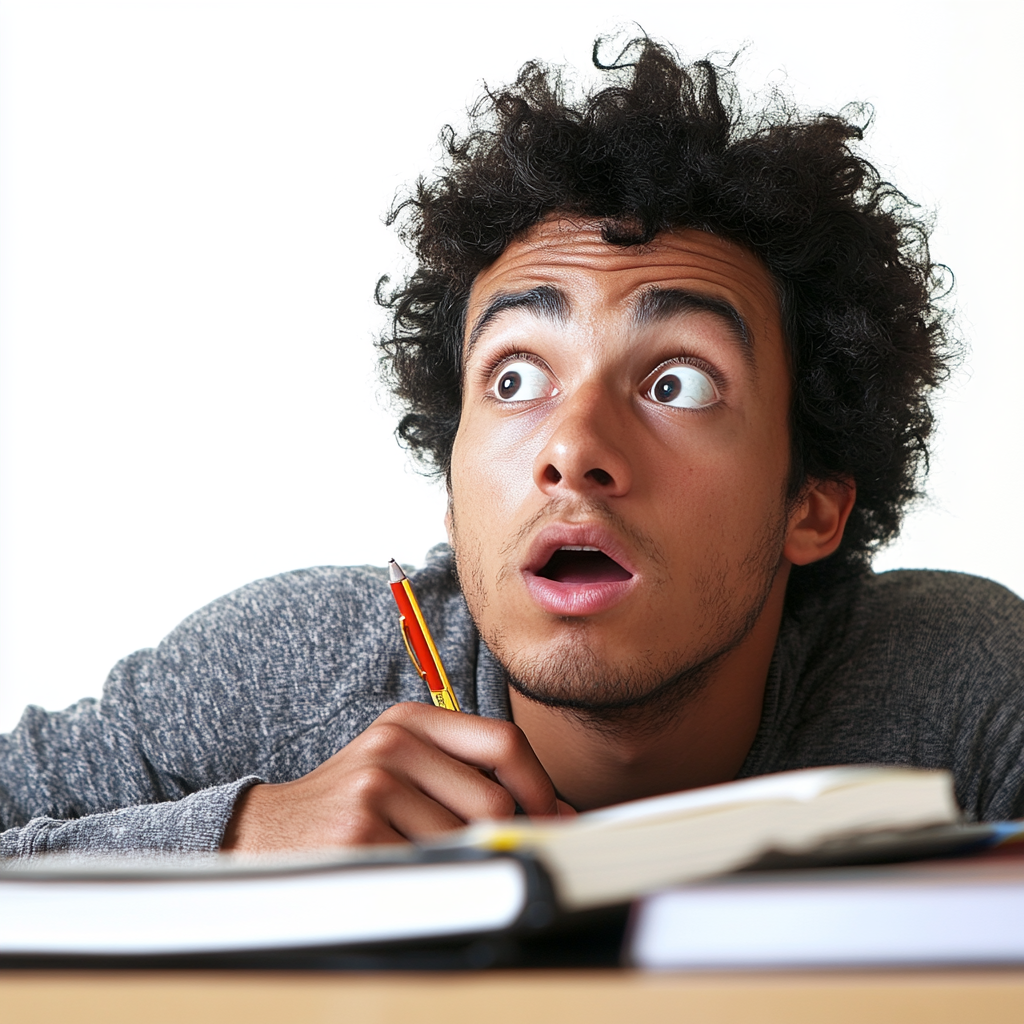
<point x="418" y="641"/>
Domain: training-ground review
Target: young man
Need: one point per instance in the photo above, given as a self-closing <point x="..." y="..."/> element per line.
<point x="673" y="362"/>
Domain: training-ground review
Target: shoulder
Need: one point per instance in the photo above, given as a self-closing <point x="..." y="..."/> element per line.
<point x="324" y="624"/>
<point x="928" y="595"/>
<point x="965" y="630"/>
<point x="348" y="602"/>
<point x="328" y="625"/>
<point x="906" y="615"/>
<point x="952" y="637"/>
<point x="910" y="667"/>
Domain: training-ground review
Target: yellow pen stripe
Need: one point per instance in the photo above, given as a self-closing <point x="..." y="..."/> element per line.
<point x="409" y="648"/>
<point x="407" y="587"/>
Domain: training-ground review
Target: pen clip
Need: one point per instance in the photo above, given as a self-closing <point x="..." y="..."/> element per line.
<point x="408" y="646"/>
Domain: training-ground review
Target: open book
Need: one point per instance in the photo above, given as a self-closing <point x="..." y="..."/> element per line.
<point x="617" y="853"/>
<point x="487" y="878"/>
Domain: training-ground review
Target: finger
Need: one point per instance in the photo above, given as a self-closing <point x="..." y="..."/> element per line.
<point x="489" y="743"/>
<point x="449" y="782"/>
<point x="381" y="806"/>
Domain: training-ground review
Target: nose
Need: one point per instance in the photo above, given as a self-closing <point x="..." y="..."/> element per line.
<point x="586" y="451"/>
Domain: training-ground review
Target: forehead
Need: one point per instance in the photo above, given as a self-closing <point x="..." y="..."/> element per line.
<point x="572" y="256"/>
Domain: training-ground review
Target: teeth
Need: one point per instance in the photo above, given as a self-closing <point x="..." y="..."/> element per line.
<point x="576" y="547"/>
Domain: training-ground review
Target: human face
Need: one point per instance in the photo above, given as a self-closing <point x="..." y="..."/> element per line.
<point x="618" y="477"/>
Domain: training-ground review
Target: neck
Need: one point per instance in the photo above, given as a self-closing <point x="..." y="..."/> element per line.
<point x="701" y="741"/>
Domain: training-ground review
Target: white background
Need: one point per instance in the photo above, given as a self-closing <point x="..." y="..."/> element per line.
<point x="190" y="205"/>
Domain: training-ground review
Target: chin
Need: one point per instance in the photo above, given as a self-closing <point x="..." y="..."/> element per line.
<point x="570" y="673"/>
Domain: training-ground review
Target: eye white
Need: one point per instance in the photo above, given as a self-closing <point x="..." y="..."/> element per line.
<point x="522" y="382"/>
<point x="683" y="387"/>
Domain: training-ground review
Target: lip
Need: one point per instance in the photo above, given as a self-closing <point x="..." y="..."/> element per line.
<point x="576" y="599"/>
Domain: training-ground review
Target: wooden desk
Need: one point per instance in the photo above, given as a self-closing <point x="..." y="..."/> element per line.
<point x="528" y="997"/>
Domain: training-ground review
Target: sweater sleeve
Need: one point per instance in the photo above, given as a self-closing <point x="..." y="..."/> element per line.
<point x="88" y="779"/>
<point x="194" y="824"/>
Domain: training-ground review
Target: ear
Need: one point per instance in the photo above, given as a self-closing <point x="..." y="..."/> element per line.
<point x="448" y="522"/>
<point x="817" y="523"/>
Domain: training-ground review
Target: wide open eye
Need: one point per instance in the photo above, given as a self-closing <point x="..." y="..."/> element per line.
<point x="521" y="382"/>
<point x="684" y="387"/>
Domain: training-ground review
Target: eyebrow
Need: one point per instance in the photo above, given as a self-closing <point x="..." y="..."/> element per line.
<point x="655" y="305"/>
<point x="659" y="304"/>
<point x="544" y="300"/>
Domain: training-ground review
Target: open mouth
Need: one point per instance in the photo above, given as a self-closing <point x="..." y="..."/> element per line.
<point x="572" y="564"/>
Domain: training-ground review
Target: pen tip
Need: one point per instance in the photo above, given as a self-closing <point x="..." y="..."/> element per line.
<point x="395" y="573"/>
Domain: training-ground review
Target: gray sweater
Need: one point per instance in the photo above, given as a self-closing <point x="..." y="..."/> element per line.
<point x="909" y="667"/>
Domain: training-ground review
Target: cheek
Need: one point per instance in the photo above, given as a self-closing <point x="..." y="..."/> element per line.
<point x="715" y="487"/>
<point x="492" y="470"/>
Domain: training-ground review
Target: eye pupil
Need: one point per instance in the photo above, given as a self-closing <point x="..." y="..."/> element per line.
<point x="668" y="387"/>
<point x="509" y="384"/>
<point x="683" y="387"/>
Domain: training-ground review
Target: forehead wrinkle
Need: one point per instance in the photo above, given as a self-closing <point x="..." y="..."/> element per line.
<point x="656" y="305"/>
<point x="544" y="301"/>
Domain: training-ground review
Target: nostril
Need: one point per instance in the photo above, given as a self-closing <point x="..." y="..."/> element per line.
<point x="552" y="475"/>
<point x="600" y="477"/>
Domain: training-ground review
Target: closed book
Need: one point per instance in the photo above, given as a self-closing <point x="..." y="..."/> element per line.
<point x="936" y="913"/>
<point x="379" y="905"/>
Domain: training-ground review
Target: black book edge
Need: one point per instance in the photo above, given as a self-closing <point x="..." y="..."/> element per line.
<point x="542" y="936"/>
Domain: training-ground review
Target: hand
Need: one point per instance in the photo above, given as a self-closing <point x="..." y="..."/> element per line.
<point x="416" y="773"/>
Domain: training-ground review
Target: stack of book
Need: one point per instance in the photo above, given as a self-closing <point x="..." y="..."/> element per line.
<point x="852" y="866"/>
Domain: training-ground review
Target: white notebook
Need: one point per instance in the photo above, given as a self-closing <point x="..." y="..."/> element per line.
<point x="116" y="911"/>
<point x="927" y="914"/>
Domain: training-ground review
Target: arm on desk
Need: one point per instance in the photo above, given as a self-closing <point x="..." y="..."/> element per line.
<point x="91" y="778"/>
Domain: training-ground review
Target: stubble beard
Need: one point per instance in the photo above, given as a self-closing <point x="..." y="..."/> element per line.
<point x="571" y="676"/>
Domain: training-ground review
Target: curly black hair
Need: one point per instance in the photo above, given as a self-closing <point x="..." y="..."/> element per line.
<point x="667" y="145"/>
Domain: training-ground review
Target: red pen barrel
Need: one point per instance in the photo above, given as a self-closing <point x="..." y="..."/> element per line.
<point x="416" y="638"/>
<point x="418" y="641"/>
